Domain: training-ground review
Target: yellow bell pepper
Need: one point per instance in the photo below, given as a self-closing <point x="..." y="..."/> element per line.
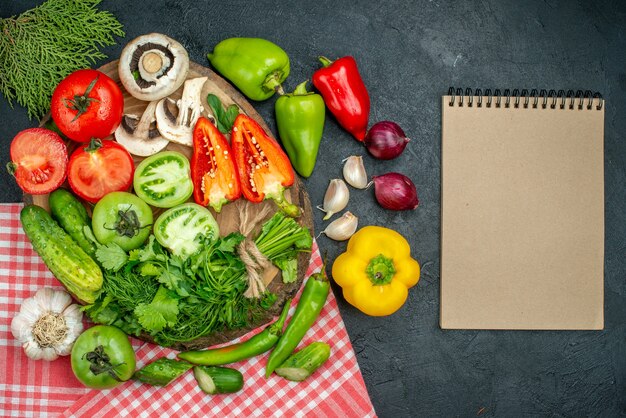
<point x="376" y="271"/>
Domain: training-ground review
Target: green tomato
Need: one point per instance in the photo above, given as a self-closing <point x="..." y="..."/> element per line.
<point x="177" y="229"/>
<point x="102" y="357"/>
<point x="122" y="218"/>
<point x="163" y="179"/>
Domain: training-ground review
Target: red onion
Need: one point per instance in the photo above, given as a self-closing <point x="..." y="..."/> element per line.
<point x="395" y="191"/>
<point x="386" y="140"/>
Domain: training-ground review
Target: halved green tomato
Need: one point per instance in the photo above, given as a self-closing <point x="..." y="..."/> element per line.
<point x="180" y="229"/>
<point x="163" y="179"/>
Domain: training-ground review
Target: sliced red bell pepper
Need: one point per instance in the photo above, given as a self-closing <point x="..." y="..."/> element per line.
<point x="215" y="179"/>
<point x="264" y="168"/>
<point x="345" y="94"/>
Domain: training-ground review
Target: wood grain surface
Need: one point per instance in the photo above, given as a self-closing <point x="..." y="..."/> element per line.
<point x="228" y="218"/>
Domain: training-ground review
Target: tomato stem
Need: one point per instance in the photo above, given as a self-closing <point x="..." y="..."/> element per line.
<point x="127" y="224"/>
<point x="94" y="145"/>
<point x="81" y="103"/>
<point x="101" y="363"/>
<point x="11" y="167"/>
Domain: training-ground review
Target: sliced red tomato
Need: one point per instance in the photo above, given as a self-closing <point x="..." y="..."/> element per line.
<point x="215" y="179"/>
<point x="38" y="160"/>
<point x="102" y="167"/>
<point x="264" y="168"/>
<point x="87" y="104"/>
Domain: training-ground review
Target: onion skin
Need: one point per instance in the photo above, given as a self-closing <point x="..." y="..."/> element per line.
<point x="386" y="140"/>
<point x="395" y="191"/>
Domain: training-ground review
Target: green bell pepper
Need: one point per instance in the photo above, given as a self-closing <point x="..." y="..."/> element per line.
<point x="256" y="66"/>
<point x="300" y="121"/>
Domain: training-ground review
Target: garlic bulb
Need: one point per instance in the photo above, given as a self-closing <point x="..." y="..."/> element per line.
<point x="336" y="198"/>
<point x="354" y="172"/>
<point x="342" y="228"/>
<point x="48" y="324"/>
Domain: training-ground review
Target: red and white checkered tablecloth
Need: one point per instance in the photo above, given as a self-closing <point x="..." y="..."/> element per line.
<point x="40" y="388"/>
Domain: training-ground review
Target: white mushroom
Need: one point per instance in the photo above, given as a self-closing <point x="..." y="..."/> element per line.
<point x="176" y="120"/>
<point x="140" y="136"/>
<point x="153" y="66"/>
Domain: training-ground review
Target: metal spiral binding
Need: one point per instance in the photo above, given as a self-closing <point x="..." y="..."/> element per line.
<point x="534" y="99"/>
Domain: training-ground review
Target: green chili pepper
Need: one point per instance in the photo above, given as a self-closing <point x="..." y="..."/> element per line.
<point x="311" y="303"/>
<point x="256" y="66"/>
<point x="254" y="346"/>
<point x="300" y="121"/>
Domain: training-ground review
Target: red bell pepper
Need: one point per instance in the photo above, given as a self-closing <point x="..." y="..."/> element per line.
<point x="215" y="179"/>
<point x="345" y="94"/>
<point x="264" y="168"/>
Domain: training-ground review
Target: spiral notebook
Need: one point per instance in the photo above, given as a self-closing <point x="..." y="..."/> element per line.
<point x="522" y="229"/>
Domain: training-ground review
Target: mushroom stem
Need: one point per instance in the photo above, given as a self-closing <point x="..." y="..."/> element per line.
<point x="143" y="127"/>
<point x="152" y="62"/>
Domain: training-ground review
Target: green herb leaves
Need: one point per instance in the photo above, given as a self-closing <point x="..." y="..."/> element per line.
<point x="175" y="300"/>
<point x="224" y="117"/>
<point x="161" y="312"/>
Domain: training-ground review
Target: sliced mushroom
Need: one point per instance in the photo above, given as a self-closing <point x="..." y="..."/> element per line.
<point x="153" y="66"/>
<point x="141" y="136"/>
<point x="176" y="120"/>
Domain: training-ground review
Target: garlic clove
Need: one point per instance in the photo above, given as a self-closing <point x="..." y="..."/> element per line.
<point x="31" y="310"/>
<point x="342" y="228"/>
<point x="354" y="172"/>
<point x="32" y="350"/>
<point x="73" y="313"/>
<point x="49" y="354"/>
<point x="336" y="198"/>
<point x="60" y="301"/>
<point x="43" y="297"/>
<point x="20" y="328"/>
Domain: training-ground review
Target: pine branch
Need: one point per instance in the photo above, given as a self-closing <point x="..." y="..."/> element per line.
<point x="43" y="45"/>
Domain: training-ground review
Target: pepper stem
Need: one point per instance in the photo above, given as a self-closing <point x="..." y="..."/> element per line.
<point x="380" y="270"/>
<point x="301" y="89"/>
<point x="325" y="61"/>
<point x="277" y="327"/>
<point x="285" y="206"/>
<point x="272" y="82"/>
<point x="321" y="275"/>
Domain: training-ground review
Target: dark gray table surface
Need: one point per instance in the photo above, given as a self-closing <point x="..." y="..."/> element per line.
<point x="409" y="53"/>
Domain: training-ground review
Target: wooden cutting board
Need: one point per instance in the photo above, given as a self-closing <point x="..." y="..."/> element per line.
<point x="228" y="219"/>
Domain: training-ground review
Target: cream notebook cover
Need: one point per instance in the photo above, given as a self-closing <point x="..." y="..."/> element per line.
<point x="522" y="229"/>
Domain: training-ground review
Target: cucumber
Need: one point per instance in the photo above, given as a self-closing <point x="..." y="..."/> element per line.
<point x="303" y="363"/>
<point x="162" y="372"/>
<point x="73" y="218"/>
<point x="213" y="379"/>
<point x="66" y="260"/>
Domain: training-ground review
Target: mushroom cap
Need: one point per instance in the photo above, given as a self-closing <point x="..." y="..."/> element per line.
<point x="153" y="66"/>
<point x="139" y="135"/>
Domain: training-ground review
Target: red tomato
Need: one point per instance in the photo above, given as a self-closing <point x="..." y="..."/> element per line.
<point x="38" y="160"/>
<point x="87" y="104"/>
<point x="102" y="167"/>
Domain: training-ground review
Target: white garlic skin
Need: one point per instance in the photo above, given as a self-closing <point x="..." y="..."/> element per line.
<point x="336" y="198"/>
<point x="47" y="301"/>
<point x="342" y="228"/>
<point x="354" y="172"/>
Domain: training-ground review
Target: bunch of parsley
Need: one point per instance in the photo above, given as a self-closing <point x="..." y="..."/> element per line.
<point x="175" y="300"/>
<point x="172" y="299"/>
